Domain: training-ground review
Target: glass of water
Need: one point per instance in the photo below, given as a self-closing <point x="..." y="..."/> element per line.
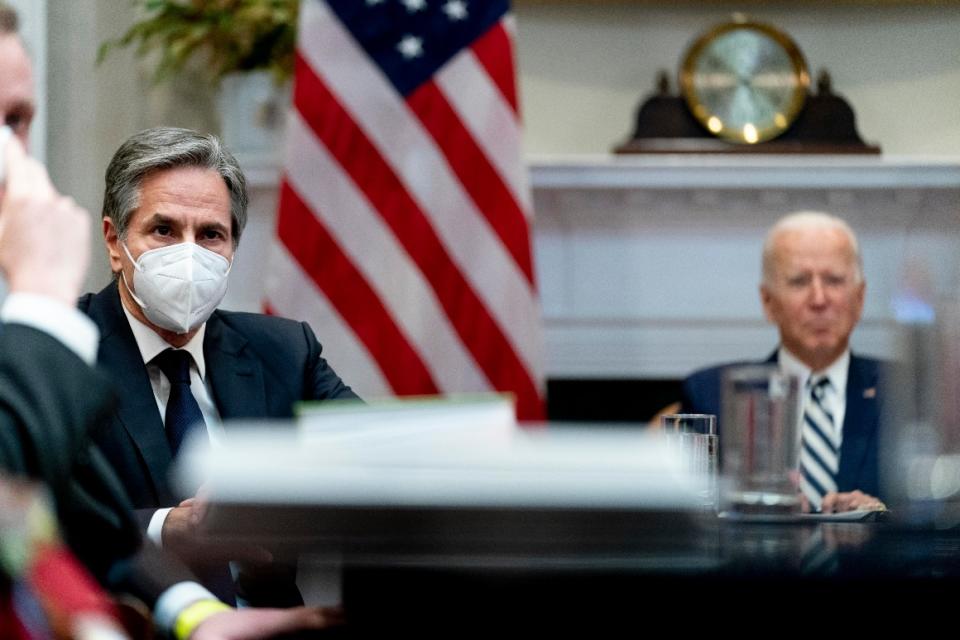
<point x="696" y="436"/>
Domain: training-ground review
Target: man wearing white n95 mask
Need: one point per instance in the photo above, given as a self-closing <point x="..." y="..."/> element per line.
<point x="174" y="209"/>
<point x="181" y="229"/>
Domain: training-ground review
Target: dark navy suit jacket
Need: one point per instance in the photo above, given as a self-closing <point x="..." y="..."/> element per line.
<point x="861" y="423"/>
<point x="257" y="366"/>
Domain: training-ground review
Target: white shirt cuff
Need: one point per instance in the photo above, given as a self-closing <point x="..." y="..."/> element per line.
<point x="65" y="323"/>
<point x="155" y="528"/>
<point x="174" y="600"/>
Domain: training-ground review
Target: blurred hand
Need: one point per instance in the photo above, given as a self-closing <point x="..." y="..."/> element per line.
<point x="850" y="501"/>
<point x="183" y="534"/>
<point x="44" y="237"/>
<point x="252" y="624"/>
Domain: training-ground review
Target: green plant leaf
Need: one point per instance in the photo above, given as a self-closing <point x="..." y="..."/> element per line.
<point x="233" y="35"/>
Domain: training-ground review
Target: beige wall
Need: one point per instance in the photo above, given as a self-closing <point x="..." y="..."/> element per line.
<point x="584" y="68"/>
<point x="92" y="109"/>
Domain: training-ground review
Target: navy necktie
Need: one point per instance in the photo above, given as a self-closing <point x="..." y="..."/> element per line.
<point x="183" y="412"/>
<point x="182" y="415"/>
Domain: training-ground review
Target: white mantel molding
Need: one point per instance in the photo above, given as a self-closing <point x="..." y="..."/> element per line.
<point x="716" y="172"/>
<point x="743" y="172"/>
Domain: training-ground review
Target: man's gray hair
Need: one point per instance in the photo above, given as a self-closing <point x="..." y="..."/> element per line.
<point x="169" y="148"/>
<point x="808" y="220"/>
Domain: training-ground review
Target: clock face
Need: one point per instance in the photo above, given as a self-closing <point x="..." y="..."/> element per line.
<point x="745" y="81"/>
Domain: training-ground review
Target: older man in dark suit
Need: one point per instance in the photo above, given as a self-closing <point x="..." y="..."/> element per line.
<point x="813" y="290"/>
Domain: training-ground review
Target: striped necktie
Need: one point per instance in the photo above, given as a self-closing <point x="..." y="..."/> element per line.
<point x="819" y="446"/>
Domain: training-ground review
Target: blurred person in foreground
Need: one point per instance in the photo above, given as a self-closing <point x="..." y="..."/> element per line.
<point x="813" y="291"/>
<point x="52" y="397"/>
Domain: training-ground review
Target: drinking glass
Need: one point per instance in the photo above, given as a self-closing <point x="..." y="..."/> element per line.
<point x="760" y="441"/>
<point x="696" y="436"/>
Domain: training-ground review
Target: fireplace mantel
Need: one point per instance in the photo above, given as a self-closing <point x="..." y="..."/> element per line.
<point x="648" y="266"/>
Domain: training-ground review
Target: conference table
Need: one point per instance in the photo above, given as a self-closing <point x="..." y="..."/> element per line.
<point x="589" y="534"/>
<point x="433" y="571"/>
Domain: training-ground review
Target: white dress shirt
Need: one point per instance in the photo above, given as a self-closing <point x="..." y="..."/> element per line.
<point x="68" y="325"/>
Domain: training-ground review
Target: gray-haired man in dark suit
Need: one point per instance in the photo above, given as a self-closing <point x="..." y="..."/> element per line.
<point x="813" y="290"/>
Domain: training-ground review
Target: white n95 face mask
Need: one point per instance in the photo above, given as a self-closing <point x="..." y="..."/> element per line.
<point x="179" y="286"/>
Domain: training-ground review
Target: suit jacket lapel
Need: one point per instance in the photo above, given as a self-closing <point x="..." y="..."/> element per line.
<point x="859" y="420"/>
<point x="234" y="374"/>
<point x="137" y="409"/>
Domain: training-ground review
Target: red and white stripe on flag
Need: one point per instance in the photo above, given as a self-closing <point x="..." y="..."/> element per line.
<point x="404" y="224"/>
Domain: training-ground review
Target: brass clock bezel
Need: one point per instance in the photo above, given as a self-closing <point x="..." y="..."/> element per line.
<point x="756" y="132"/>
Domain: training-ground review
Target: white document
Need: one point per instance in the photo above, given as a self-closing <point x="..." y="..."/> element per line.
<point x="449" y="455"/>
<point x="411" y="424"/>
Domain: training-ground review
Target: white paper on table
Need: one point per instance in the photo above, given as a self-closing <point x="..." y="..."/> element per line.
<point x="469" y="420"/>
<point x="518" y="468"/>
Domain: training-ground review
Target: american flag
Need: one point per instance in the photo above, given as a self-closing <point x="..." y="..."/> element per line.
<point x="404" y="223"/>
